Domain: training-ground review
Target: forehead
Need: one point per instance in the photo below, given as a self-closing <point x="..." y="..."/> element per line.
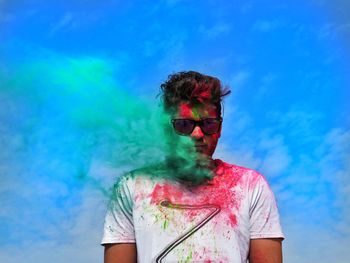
<point x="196" y="111"/>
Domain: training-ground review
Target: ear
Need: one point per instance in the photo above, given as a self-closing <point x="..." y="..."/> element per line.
<point x="219" y="133"/>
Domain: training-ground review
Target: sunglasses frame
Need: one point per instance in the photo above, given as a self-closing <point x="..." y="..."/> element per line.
<point x="199" y="124"/>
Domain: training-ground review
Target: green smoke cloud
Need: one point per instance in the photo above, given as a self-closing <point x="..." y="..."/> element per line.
<point x="92" y="116"/>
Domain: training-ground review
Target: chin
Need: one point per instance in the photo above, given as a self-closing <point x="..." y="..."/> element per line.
<point x="203" y="157"/>
<point x="205" y="154"/>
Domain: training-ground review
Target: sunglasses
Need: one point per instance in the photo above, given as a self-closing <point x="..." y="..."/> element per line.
<point x="186" y="126"/>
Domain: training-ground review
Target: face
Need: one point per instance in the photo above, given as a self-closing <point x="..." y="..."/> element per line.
<point x="204" y="144"/>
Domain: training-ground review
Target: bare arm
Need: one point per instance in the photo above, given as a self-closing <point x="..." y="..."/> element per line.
<point x="265" y="250"/>
<point x="120" y="253"/>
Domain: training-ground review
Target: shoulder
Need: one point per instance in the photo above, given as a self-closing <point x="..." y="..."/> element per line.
<point x="140" y="179"/>
<point x="148" y="172"/>
<point x="243" y="174"/>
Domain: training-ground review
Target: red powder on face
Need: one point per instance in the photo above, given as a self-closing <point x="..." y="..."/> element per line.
<point x="185" y="110"/>
<point x="188" y="110"/>
<point x="219" y="191"/>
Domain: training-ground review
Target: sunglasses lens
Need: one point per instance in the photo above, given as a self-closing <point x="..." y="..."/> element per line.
<point x="210" y="126"/>
<point x="183" y="126"/>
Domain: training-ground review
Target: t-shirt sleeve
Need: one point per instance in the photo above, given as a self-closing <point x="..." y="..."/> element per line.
<point x="264" y="217"/>
<point x="119" y="225"/>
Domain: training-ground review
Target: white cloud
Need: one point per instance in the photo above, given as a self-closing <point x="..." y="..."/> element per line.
<point x="310" y="184"/>
<point x="321" y="193"/>
<point x="299" y="122"/>
<point x="276" y="160"/>
<point x="242" y="156"/>
<point x="81" y="239"/>
<point x="273" y="160"/>
<point x="334" y="156"/>
<point x="239" y="79"/>
<point x="331" y="30"/>
<point x="173" y="57"/>
<point x="307" y="243"/>
<point x="172" y="3"/>
<point x="6" y="17"/>
<point x="345" y="28"/>
<point x="65" y="21"/>
<point x="265" y="26"/>
<point x="218" y="29"/>
<point x="247" y="6"/>
<point x="266" y="83"/>
<point x="267" y="151"/>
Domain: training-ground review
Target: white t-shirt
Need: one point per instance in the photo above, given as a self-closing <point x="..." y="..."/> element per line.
<point x="175" y="222"/>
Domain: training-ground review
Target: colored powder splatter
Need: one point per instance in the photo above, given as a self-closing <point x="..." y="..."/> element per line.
<point x="69" y="123"/>
<point x="186" y="109"/>
<point x="218" y="191"/>
<point x="75" y="111"/>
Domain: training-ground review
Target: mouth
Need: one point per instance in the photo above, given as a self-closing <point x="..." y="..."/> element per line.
<point x="200" y="147"/>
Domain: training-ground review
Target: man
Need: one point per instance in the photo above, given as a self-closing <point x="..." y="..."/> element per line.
<point x="192" y="208"/>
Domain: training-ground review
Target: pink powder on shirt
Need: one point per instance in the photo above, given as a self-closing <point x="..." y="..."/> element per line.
<point x="219" y="191"/>
<point x="166" y="191"/>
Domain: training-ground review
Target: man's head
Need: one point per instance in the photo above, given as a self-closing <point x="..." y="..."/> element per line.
<point x="193" y="101"/>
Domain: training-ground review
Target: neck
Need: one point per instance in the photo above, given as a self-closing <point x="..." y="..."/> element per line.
<point x="194" y="172"/>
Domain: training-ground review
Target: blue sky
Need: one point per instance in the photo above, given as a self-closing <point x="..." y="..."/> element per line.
<point x="288" y="117"/>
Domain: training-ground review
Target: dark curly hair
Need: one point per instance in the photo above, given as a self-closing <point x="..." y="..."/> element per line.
<point x="193" y="87"/>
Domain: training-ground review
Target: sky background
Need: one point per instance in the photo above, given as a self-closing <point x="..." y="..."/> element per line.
<point x="78" y="106"/>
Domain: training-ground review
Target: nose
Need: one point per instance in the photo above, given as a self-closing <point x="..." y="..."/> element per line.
<point x="197" y="133"/>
